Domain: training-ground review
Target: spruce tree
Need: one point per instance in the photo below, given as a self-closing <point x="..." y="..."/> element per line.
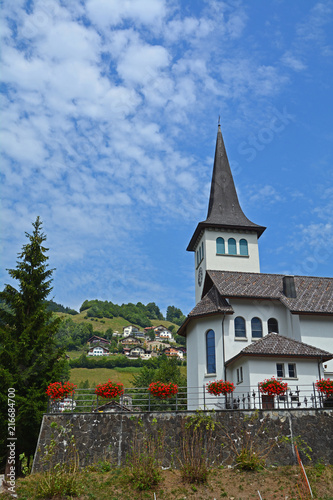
<point x="29" y="358"/>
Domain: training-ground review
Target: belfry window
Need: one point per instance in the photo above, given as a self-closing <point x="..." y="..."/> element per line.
<point x="243" y="248"/>
<point x="210" y="351"/>
<point x="220" y="248"/>
<point x="273" y="325"/>
<point x="256" y="327"/>
<point x="240" y="328"/>
<point x="232" y="249"/>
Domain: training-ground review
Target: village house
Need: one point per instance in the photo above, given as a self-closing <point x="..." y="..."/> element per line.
<point x="98" y="351"/>
<point x="130" y="330"/>
<point x="246" y="325"/>
<point x="98" y="340"/>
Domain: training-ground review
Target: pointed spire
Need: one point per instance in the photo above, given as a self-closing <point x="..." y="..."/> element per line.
<point x="224" y="210"/>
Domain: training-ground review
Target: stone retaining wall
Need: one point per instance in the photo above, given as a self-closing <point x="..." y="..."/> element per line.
<point x="111" y="436"/>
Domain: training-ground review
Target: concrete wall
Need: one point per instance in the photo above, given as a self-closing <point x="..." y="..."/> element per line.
<point x="110" y="436"/>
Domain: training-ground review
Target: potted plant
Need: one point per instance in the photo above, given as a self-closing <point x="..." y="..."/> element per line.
<point x="325" y="388"/>
<point x="57" y="390"/>
<point x="109" y="390"/>
<point x="162" y="390"/>
<point x="220" y="387"/>
<point x="273" y="387"/>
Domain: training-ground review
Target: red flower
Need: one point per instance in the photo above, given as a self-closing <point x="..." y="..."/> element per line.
<point x="220" y="387"/>
<point x="109" y="390"/>
<point x="57" y="390"/>
<point x="163" y="391"/>
<point x="325" y="386"/>
<point x="273" y="387"/>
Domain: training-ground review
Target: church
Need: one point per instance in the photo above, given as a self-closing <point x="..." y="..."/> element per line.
<point x="246" y="325"/>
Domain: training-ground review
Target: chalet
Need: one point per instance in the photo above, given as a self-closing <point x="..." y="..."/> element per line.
<point x="98" y="340"/>
<point x="98" y="351"/>
<point x="130" y="341"/>
<point x="130" y="330"/>
<point x="173" y="352"/>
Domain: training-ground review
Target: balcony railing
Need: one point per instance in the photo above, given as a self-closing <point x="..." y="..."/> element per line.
<point x="191" y="398"/>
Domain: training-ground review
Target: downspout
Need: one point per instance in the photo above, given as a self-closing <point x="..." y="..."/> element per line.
<point x="224" y="368"/>
<point x="320" y="362"/>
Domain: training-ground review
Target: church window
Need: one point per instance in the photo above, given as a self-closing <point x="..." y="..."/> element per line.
<point x="240" y="328"/>
<point x="239" y="375"/>
<point x="273" y="326"/>
<point x="202" y="250"/>
<point x="256" y="327"/>
<point x="210" y="351"/>
<point x="220" y="249"/>
<point x="232" y="246"/>
<point x="243" y="248"/>
<point x="280" y="370"/>
<point x="292" y="370"/>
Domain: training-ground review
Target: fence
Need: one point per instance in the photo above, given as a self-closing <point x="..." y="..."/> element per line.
<point x="191" y="398"/>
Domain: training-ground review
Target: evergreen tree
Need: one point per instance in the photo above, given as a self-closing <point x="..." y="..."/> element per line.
<point x="29" y="359"/>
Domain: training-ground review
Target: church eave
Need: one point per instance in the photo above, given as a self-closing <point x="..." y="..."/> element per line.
<point x="228" y="227"/>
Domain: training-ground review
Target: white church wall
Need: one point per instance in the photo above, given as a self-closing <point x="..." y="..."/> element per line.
<point x="318" y="331"/>
<point x="248" y="309"/>
<point x="226" y="262"/>
<point x="197" y="375"/>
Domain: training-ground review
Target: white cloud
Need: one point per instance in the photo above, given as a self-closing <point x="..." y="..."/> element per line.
<point x="106" y="13"/>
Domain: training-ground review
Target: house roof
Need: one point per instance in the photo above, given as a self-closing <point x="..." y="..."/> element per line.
<point x="101" y="339"/>
<point x="224" y="210"/>
<point x="274" y="345"/>
<point x="314" y="295"/>
<point x="212" y="303"/>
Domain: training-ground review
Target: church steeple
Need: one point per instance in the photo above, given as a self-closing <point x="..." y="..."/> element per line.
<point x="224" y="210"/>
<point x="227" y="240"/>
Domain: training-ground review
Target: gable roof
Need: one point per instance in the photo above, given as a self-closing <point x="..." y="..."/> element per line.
<point x="224" y="210"/>
<point x="100" y="339"/>
<point x="314" y="295"/>
<point x="212" y="303"/>
<point x="273" y="345"/>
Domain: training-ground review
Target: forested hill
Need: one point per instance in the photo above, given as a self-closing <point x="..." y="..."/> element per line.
<point x="137" y="314"/>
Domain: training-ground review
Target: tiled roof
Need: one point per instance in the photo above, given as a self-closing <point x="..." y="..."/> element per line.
<point x="274" y="344"/>
<point x="313" y="295"/>
<point x="211" y="303"/>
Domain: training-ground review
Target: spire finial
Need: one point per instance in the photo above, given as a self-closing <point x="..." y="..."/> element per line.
<point x="219" y="124"/>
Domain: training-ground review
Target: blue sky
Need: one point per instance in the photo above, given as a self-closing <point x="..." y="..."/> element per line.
<point x="109" y="121"/>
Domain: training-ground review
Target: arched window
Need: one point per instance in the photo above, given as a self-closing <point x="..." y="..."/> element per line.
<point x="273" y="325"/>
<point x="232" y="246"/>
<point x="220" y="249"/>
<point x="200" y="257"/>
<point x="202" y="250"/>
<point x="243" y="248"/>
<point x="210" y="351"/>
<point x="240" y="328"/>
<point x="256" y="327"/>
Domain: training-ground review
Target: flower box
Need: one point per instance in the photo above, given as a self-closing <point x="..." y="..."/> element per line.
<point x="57" y="390"/>
<point x="109" y="390"/>
<point x="325" y="387"/>
<point x="163" y="391"/>
<point x="220" y="387"/>
<point x="273" y="387"/>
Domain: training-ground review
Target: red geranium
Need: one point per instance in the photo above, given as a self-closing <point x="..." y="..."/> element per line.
<point x="272" y="387"/>
<point x="109" y="390"/>
<point x="57" y="390"/>
<point x="325" y="386"/>
<point x="220" y="387"/>
<point x="163" y="391"/>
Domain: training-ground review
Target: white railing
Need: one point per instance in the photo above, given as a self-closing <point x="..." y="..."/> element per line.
<point x="192" y="398"/>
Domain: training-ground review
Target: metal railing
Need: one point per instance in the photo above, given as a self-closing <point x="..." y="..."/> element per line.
<point x="191" y="398"/>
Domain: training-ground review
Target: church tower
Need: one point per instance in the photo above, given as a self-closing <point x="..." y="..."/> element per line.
<point x="227" y="240"/>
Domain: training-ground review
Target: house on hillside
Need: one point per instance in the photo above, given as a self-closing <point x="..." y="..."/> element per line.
<point x="98" y="351"/>
<point x="130" y="330"/>
<point x="246" y="325"/>
<point x="130" y="341"/>
<point x="98" y="340"/>
<point x="156" y="345"/>
<point x="162" y="333"/>
<point x="173" y="352"/>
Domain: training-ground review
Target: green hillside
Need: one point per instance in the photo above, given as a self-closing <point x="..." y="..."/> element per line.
<point x="117" y="323"/>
